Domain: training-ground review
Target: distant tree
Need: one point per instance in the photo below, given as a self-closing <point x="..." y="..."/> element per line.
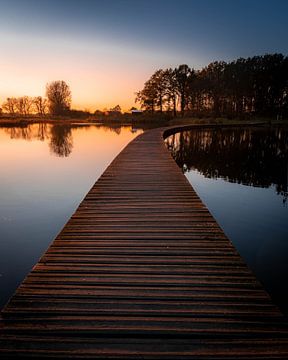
<point x="158" y="82"/>
<point x="59" y="97"/>
<point x="99" y="113"/>
<point x="197" y="96"/>
<point x="156" y="93"/>
<point x="147" y="97"/>
<point x="213" y="77"/>
<point x="169" y="80"/>
<point x="20" y="105"/>
<point x="183" y="77"/>
<point x="252" y="86"/>
<point x="79" y="114"/>
<point x="10" y="105"/>
<point x="270" y="81"/>
<point x="24" y="105"/>
<point x="41" y="105"/>
<point x="115" y="109"/>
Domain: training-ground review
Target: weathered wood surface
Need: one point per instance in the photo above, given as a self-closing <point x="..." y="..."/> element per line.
<point x="142" y="271"/>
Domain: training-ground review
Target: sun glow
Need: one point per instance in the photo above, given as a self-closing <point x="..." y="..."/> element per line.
<point x="100" y="75"/>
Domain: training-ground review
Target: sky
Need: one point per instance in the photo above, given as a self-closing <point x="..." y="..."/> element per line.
<point x="106" y="49"/>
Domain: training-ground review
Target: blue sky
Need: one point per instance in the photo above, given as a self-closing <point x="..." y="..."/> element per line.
<point x="126" y="41"/>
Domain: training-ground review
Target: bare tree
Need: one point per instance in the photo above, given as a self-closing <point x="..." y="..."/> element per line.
<point x="24" y="105"/>
<point x="10" y="105"/>
<point x="59" y="97"/>
<point x="41" y="105"/>
<point x="20" y="106"/>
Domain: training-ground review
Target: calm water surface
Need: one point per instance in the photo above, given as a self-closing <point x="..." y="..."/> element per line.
<point x="46" y="170"/>
<point x="241" y="175"/>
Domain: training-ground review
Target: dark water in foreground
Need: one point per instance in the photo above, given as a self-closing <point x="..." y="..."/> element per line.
<point x="46" y="170"/>
<point x="241" y="175"/>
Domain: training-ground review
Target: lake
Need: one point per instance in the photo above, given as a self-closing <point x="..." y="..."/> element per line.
<point x="241" y="175"/>
<point x="46" y="170"/>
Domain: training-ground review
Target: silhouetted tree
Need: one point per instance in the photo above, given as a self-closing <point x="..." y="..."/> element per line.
<point x="10" y="105"/>
<point x="115" y="109"/>
<point x="252" y="86"/>
<point x="24" y="105"/>
<point x="183" y="77"/>
<point x="170" y="90"/>
<point x="159" y="92"/>
<point x="59" y="97"/>
<point x="213" y="77"/>
<point x="41" y="105"/>
<point x="99" y="113"/>
<point x="158" y="82"/>
<point x="148" y="96"/>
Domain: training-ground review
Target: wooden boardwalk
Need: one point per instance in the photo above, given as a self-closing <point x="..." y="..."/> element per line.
<point x="142" y="271"/>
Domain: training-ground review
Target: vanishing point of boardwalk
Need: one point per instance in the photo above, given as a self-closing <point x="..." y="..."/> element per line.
<point x="142" y="271"/>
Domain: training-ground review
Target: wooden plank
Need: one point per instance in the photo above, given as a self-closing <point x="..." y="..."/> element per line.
<point x="142" y="270"/>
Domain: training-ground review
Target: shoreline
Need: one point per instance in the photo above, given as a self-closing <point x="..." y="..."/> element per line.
<point x="10" y="121"/>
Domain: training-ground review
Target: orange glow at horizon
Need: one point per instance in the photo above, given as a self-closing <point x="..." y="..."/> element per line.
<point x="97" y="78"/>
<point x="87" y="93"/>
<point x="26" y="141"/>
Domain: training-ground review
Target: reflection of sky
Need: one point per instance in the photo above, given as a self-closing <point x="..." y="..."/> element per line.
<point x="106" y="50"/>
<point x="39" y="191"/>
<point x="255" y="220"/>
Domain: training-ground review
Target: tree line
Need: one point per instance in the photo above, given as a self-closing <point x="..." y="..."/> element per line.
<point x="244" y="87"/>
<point x="56" y="102"/>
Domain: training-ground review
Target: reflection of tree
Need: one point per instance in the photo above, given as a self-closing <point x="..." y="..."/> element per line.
<point x="61" y="140"/>
<point x="257" y="157"/>
<point x="42" y="132"/>
<point x="28" y="132"/>
<point x="60" y="136"/>
<point x="115" y="128"/>
<point x="21" y="132"/>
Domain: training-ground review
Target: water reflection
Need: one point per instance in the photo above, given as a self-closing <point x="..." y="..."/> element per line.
<point x="40" y="189"/>
<point x="58" y="136"/>
<point x="250" y="156"/>
<point x="61" y="141"/>
<point x="219" y="163"/>
<point x="42" y="131"/>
